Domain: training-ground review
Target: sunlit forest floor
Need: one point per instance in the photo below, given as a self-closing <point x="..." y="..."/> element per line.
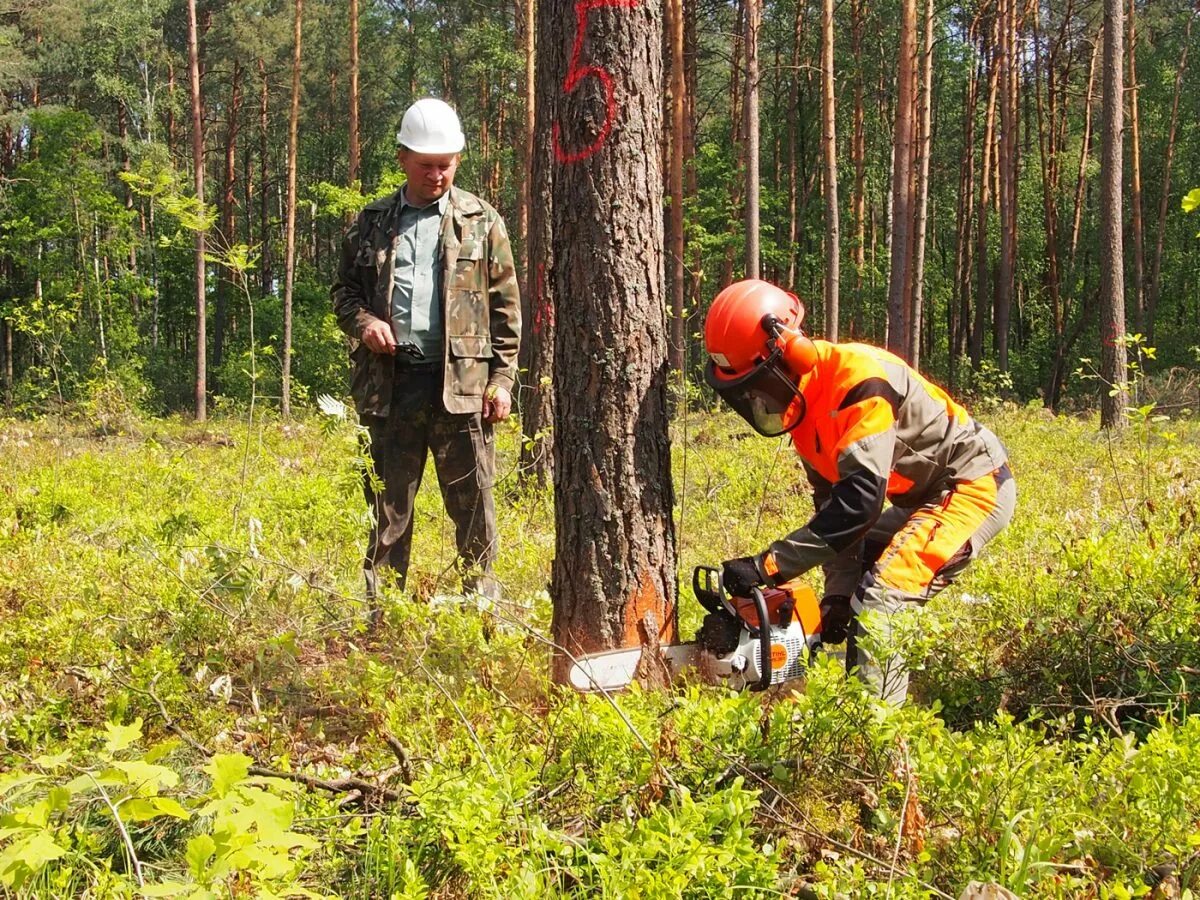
<point x="191" y="705"/>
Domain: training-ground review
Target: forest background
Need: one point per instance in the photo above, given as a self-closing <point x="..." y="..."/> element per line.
<point x="999" y="281"/>
<point x="189" y="703"/>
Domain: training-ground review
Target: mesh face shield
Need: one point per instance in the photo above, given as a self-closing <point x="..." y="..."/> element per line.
<point x="766" y="396"/>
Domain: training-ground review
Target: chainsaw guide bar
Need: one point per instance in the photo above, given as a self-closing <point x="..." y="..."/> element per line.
<point x="616" y="669"/>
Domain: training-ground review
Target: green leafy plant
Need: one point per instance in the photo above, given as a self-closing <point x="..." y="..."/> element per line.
<point x="242" y="825"/>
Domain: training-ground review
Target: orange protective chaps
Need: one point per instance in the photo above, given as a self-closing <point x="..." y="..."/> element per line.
<point x="911" y="554"/>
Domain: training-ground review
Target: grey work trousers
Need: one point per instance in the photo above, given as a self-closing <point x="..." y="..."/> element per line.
<point x="912" y="554"/>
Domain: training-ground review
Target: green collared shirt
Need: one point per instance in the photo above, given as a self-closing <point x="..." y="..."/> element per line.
<point x="416" y="304"/>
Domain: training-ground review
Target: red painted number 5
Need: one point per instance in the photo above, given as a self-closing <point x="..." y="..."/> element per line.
<point x="576" y="73"/>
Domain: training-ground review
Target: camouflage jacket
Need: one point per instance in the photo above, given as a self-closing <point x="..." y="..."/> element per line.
<point x="481" y="309"/>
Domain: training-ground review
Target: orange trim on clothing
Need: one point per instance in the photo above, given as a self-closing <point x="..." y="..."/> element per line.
<point x="935" y="534"/>
<point x="827" y="431"/>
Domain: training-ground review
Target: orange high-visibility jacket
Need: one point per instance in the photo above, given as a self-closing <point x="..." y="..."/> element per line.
<point x="874" y="428"/>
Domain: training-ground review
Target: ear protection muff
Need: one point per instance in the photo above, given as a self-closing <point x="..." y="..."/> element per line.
<point x="796" y="348"/>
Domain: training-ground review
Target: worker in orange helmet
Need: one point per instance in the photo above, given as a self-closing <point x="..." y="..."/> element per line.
<point x="868" y="428"/>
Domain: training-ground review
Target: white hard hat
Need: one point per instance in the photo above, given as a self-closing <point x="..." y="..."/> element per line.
<point x="431" y="126"/>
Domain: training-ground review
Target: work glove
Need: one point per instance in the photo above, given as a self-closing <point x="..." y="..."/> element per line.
<point x="836" y="616"/>
<point x="740" y="575"/>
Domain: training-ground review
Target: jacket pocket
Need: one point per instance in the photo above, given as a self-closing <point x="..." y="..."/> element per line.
<point x="469" y="267"/>
<point x="471" y="346"/>
<point x="467" y="369"/>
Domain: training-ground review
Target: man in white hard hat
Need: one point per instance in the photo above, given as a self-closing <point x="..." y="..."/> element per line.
<point x="427" y="292"/>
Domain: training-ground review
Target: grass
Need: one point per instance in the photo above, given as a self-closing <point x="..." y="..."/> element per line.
<point x="215" y="570"/>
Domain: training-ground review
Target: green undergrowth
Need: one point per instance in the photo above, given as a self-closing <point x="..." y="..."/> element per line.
<point x="182" y="653"/>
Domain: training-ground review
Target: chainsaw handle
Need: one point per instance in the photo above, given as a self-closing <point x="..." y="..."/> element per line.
<point x="709" y="589"/>
<point x="764" y="641"/>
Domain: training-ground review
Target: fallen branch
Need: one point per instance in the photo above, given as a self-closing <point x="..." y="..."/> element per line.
<point x="371" y="788"/>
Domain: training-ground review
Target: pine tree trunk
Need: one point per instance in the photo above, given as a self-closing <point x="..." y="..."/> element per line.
<point x="171" y="146"/>
<point x="6" y="277"/>
<point x="537" y="408"/>
<point x="859" y="153"/>
<point x="677" y="248"/>
<point x="8" y="362"/>
<point x="1112" y="275"/>
<point x="1009" y="126"/>
<point x="198" y="162"/>
<point x="613" y="582"/>
<point x="900" y="278"/>
<point x="982" y="262"/>
<point x="829" y="143"/>
<point x="792" y="125"/>
<point x="525" y="33"/>
<point x="225" y="285"/>
<point x="1046" y="150"/>
<point x="921" y="213"/>
<point x="737" y="122"/>
<point x="352" y="171"/>
<point x="264" y="200"/>
<point x="959" y="311"/>
<point x="1156" y="266"/>
<point x="528" y="24"/>
<point x="691" y="75"/>
<point x="290" y="236"/>
<point x="495" y="180"/>
<point x="1135" y="198"/>
<point x="753" y="22"/>
<point x="1081" y="181"/>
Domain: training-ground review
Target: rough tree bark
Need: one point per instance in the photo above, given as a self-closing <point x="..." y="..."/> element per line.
<point x="859" y="154"/>
<point x="982" y="263"/>
<point x="958" y="313"/>
<point x="921" y="213"/>
<point x="289" y="261"/>
<point x="1112" y="266"/>
<point x="1009" y="128"/>
<point x="793" y="190"/>
<point x="677" y="248"/>
<point x="225" y="285"/>
<point x="527" y="10"/>
<point x="829" y="143"/>
<point x="352" y="169"/>
<point x="753" y="22"/>
<point x="1047" y="151"/>
<point x="537" y="408"/>
<point x="900" y="278"/>
<point x="1081" y="180"/>
<point x="1135" y="180"/>
<point x="198" y="163"/>
<point x="613" y="581"/>
<point x="264" y="208"/>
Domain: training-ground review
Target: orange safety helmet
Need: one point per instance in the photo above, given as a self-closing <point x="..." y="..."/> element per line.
<point x="758" y="353"/>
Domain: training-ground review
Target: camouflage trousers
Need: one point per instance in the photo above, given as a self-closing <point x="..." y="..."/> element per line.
<point x="465" y="462"/>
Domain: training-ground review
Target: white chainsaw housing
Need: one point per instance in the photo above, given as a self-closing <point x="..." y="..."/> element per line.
<point x="789" y="649"/>
<point x="738" y="669"/>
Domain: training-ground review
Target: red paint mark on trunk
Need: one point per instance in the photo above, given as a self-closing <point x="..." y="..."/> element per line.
<point x="576" y="73"/>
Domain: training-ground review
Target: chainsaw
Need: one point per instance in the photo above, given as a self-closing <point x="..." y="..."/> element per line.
<point x="755" y="642"/>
